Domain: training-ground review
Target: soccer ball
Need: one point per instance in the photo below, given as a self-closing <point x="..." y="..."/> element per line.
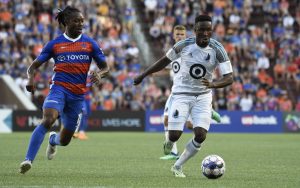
<point x="213" y="166"/>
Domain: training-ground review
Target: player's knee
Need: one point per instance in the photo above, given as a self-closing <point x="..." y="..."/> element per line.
<point x="189" y="125"/>
<point x="166" y="121"/>
<point x="48" y="120"/>
<point x="200" y="134"/>
<point x="174" y="135"/>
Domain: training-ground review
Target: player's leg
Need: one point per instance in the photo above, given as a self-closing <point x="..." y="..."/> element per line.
<point x="189" y="123"/>
<point x="200" y="113"/>
<point x="166" y="127"/>
<point x="52" y="105"/>
<point x="166" y="110"/>
<point x="84" y="122"/>
<point x="71" y="118"/>
<point x="174" y="152"/>
<point x="173" y="155"/>
<point x="81" y="126"/>
<point x="80" y="131"/>
<point x="177" y="116"/>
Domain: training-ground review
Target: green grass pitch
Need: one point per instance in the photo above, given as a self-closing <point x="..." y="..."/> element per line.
<point x="119" y="159"/>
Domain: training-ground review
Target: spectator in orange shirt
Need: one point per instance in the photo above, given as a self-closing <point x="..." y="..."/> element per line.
<point x="285" y="104"/>
<point x="292" y="71"/>
<point x="5" y="15"/>
<point x="265" y="79"/>
<point x="279" y="71"/>
<point x="261" y="94"/>
<point x="109" y="104"/>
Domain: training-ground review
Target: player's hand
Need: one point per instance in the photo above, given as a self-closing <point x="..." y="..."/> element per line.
<point x="96" y="78"/>
<point x="207" y="83"/>
<point x="137" y="80"/>
<point x="103" y="73"/>
<point x="30" y="88"/>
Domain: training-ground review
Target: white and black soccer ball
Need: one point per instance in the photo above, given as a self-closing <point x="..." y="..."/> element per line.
<point x="213" y="166"/>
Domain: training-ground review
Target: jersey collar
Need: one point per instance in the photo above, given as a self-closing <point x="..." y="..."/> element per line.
<point x="205" y="48"/>
<point x="73" y="40"/>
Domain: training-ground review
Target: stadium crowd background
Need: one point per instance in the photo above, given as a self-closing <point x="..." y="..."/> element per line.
<point x="262" y="39"/>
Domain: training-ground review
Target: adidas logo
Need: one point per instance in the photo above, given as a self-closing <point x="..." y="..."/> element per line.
<point x="208" y="57"/>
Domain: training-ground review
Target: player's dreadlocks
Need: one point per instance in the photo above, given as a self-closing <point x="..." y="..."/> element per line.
<point x="65" y="14"/>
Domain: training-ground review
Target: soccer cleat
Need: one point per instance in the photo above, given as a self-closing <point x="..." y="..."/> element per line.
<point x="216" y="116"/>
<point x="168" y="147"/>
<point x="177" y="171"/>
<point x="171" y="156"/>
<point x="25" y="166"/>
<point x="82" y="136"/>
<point x="51" y="150"/>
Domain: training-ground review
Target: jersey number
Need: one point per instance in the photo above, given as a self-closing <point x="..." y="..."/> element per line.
<point x="197" y="71"/>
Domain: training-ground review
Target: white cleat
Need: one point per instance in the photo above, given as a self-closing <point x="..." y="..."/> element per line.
<point x="177" y="171"/>
<point x="51" y="150"/>
<point x="25" y="166"/>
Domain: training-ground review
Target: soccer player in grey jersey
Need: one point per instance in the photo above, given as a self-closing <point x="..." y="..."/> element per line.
<point x="192" y="86"/>
<point x="179" y="34"/>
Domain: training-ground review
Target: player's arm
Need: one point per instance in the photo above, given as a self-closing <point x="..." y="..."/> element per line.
<point x="101" y="63"/>
<point x="102" y="73"/>
<point x="157" y="66"/>
<point x="30" y="75"/>
<point x="170" y="56"/>
<point x="45" y="55"/>
<point x="224" y="67"/>
<point x="103" y="69"/>
<point x="226" y="80"/>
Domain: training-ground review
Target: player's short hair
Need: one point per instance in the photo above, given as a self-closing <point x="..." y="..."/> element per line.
<point x="179" y="27"/>
<point x="64" y="15"/>
<point x="203" y="18"/>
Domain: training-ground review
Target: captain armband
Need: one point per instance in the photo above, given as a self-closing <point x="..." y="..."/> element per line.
<point x="225" y="67"/>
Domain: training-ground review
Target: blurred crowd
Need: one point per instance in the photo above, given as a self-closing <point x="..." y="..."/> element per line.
<point x="261" y="37"/>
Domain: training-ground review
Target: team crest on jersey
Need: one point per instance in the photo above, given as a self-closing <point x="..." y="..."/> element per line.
<point x="175" y="67"/>
<point x="61" y="58"/>
<point x="176" y="114"/>
<point x="83" y="45"/>
<point x="197" y="71"/>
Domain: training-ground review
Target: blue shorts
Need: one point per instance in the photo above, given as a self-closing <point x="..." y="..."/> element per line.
<point x="68" y="107"/>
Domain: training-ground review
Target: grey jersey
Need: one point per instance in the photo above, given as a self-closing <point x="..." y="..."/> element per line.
<point x="196" y="63"/>
<point x="171" y="64"/>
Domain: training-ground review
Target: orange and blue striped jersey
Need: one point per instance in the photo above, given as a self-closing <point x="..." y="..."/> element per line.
<point x="72" y="59"/>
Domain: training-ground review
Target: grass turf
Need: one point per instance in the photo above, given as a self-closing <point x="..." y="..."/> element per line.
<point x="117" y="159"/>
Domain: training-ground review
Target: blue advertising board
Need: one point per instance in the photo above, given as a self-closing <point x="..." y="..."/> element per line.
<point x="249" y="122"/>
<point x="231" y="122"/>
<point x="154" y="121"/>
